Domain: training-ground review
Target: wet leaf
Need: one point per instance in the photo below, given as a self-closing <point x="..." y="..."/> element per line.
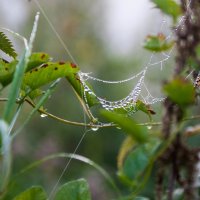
<point x="78" y="87"/>
<point x="138" y="133"/>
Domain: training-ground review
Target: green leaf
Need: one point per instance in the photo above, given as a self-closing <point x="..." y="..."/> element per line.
<point x="138" y="133"/>
<point x="78" y="87"/>
<point x="144" y="108"/>
<point x="6" y="71"/>
<point x="46" y="73"/>
<point x="169" y="7"/>
<point x="33" y="193"/>
<point x="180" y="91"/>
<point x="157" y="43"/>
<point x="137" y="160"/>
<point x="36" y="59"/>
<point x="133" y="108"/>
<point x="18" y="76"/>
<point x="6" y="45"/>
<point x="74" y="190"/>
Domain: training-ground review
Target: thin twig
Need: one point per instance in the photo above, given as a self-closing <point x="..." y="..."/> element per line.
<point x="103" y="125"/>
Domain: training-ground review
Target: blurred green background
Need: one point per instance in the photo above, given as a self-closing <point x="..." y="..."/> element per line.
<point x="105" y="38"/>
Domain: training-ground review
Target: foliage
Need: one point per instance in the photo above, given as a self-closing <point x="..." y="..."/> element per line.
<point x="157" y="43"/>
<point x="78" y="189"/>
<point x="169" y="7"/>
<point x="33" y="193"/>
<point x="6" y="46"/>
<point x="144" y="153"/>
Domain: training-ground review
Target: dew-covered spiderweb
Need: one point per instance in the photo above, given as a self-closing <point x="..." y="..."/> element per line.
<point x="140" y="90"/>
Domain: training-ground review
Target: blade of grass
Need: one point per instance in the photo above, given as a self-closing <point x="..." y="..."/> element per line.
<point x="6" y="158"/>
<point x="18" y="76"/>
<point x="76" y="157"/>
<point x="14" y="119"/>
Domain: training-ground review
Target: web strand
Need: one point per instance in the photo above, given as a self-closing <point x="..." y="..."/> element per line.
<point x="66" y="167"/>
<point x="84" y="115"/>
<point x="55" y="32"/>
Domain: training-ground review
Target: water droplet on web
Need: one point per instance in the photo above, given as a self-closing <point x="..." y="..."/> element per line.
<point x="95" y="128"/>
<point x="149" y="127"/>
<point x="43" y="115"/>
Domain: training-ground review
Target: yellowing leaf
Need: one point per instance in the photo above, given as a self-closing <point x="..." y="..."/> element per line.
<point x="125" y="148"/>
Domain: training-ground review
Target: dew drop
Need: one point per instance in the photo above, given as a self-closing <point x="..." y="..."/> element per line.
<point x="149" y="127"/>
<point x="95" y="128"/>
<point x="43" y="115"/>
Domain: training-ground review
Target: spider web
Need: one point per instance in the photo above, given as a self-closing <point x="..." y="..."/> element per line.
<point x="139" y="90"/>
<point x="128" y="103"/>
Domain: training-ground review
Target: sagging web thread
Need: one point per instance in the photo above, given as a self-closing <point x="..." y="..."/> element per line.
<point x="128" y="103"/>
